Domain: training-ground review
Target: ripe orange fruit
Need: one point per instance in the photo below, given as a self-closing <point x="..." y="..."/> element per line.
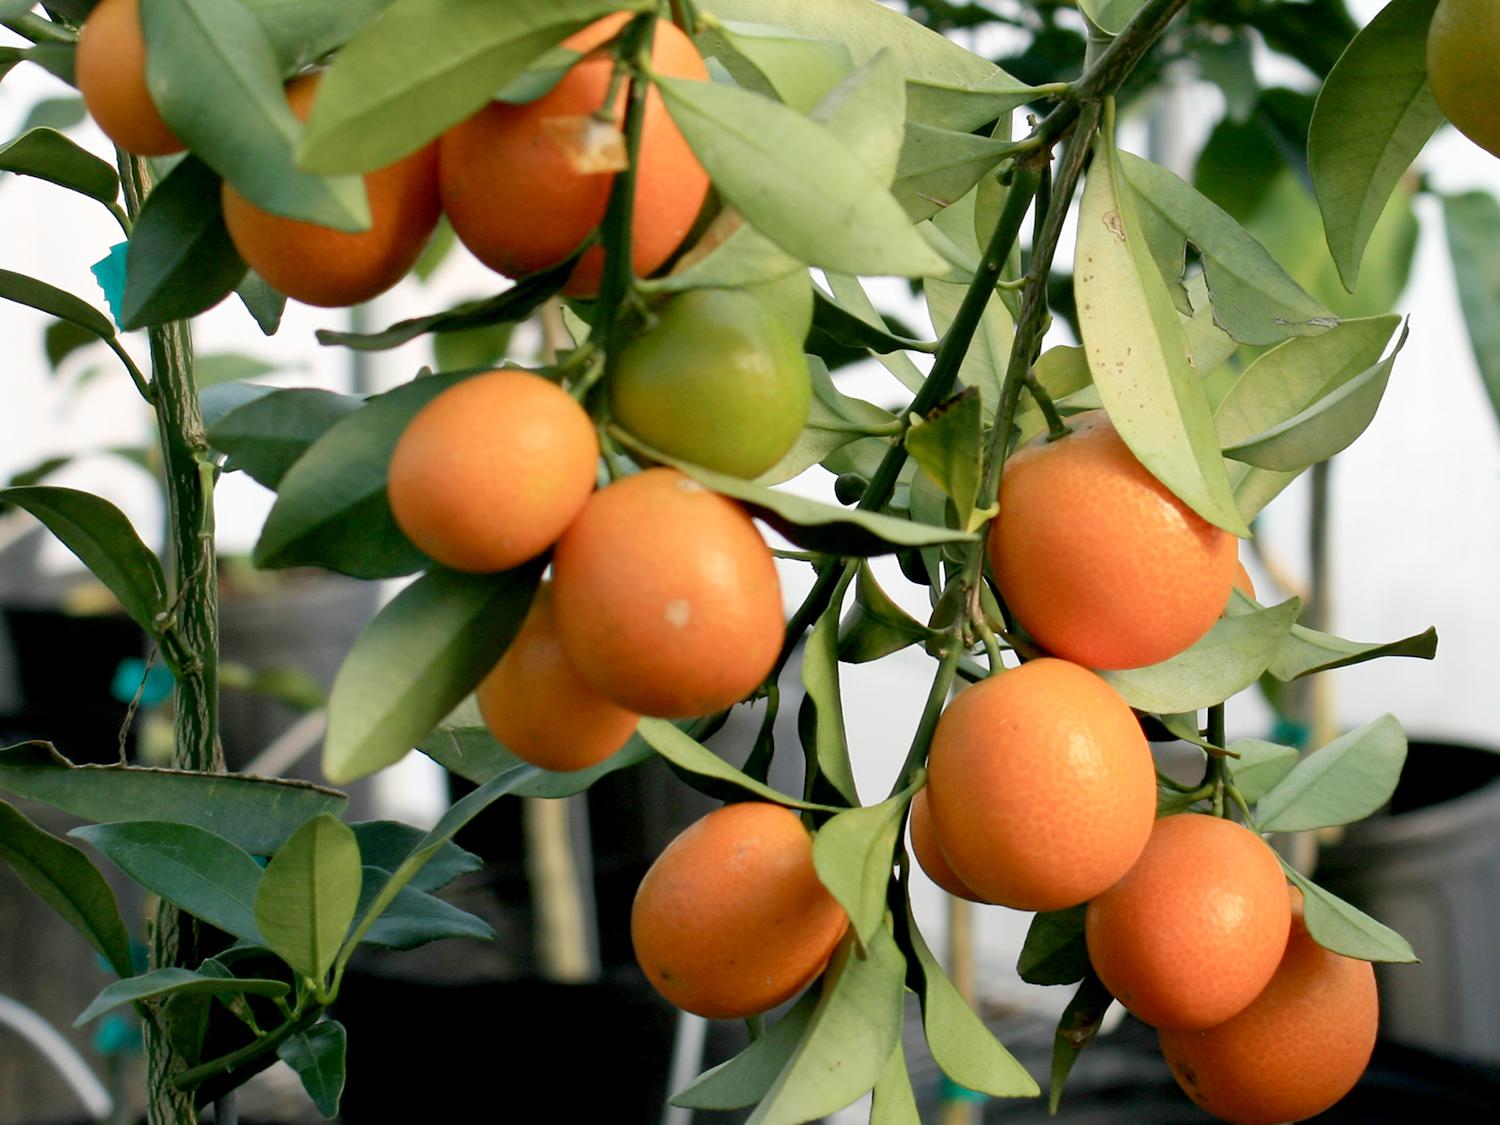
<point x="718" y="381"/>
<point x="1299" y="1047"/>
<point x="1243" y="582"/>
<point x="929" y="852"/>
<point x="1194" y="931"/>
<point x="666" y="596"/>
<point x="1042" y="786"/>
<point x="520" y="205"/>
<point x="1461" y="68"/>
<point x="110" y="70"/>
<point x="489" y="472"/>
<point x="318" y="265"/>
<point x="731" y="919"/>
<point x="1097" y="560"/>
<point x="538" y="706"/>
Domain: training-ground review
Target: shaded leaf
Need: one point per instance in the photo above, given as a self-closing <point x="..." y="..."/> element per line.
<point x="745" y="1079"/>
<point x="303" y="31"/>
<point x="316" y="1056"/>
<point x="949" y="446"/>
<point x="798" y="68"/>
<point x="48" y="155"/>
<point x="174" y="982"/>
<point x="414" y="918"/>
<point x="938" y="166"/>
<point x="263" y="303"/>
<point x="1076" y="1027"/>
<point x="1054" y="951"/>
<point x="691" y="756"/>
<point x="472" y="752"/>
<point x="386" y="843"/>
<point x="50" y="299"/>
<point x="875" y="625"/>
<point x="1472" y="221"/>
<point x="820" y="723"/>
<point x="267" y="435"/>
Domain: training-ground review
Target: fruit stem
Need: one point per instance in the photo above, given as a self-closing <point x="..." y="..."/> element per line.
<point x="937" y="696"/>
<point x="1056" y="428"/>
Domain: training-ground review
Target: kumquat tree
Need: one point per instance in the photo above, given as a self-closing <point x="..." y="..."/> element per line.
<point x="697" y="192"/>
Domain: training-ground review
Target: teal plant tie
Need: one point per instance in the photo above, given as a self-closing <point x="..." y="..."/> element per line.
<point x="951" y="1091"/>
<point x="154" y="683"/>
<point x="1289" y="732"/>
<point x="109" y="272"/>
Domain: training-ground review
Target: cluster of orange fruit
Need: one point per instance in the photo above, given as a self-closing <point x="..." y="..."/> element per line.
<point x="520" y="196"/>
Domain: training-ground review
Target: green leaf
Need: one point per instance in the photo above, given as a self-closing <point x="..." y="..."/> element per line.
<point x="849" y="1037"/>
<point x="387" y="843"/>
<point x="799" y="68"/>
<point x="1054" y="951"/>
<point x="834" y="420"/>
<point x="797" y="182"/>
<point x="1324" y="429"/>
<point x="265" y="437"/>
<point x="1260" y="766"/>
<point x="205" y="874"/>
<point x="331" y="509"/>
<point x="850" y="328"/>
<point x="983" y="366"/>
<point x="174" y="982"/>
<point x="1306" y="651"/>
<point x="894" y="1102"/>
<point x="216" y="79"/>
<point x="1253" y="298"/>
<point x="875" y="626"/>
<point x="1230" y="65"/>
<point x="309" y="894"/>
<point x="1229" y="659"/>
<point x="867" y="110"/>
<point x="214" y="368"/>
<point x="960" y="1043"/>
<point x="48" y="155"/>
<point x="746" y="1078"/>
<point x="1347" y="780"/>
<point x="262" y="302"/>
<point x="1472" y="221"/>
<point x="853" y="856"/>
<point x="1062" y="370"/>
<point x="465" y="348"/>
<point x="691" y="756"/>
<point x="1110" y="16"/>
<point x="416" y="661"/>
<point x="254" y="812"/>
<point x="1078" y="1025"/>
<point x="426" y="65"/>
<point x="104" y="541"/>
<point x="1336" y="925"/>
<point x="415" y="918"/>
<point x="303" y="31"/>
<point x="50" y="299"/>
<point x="316" y="1056"/>
<point x="1373" y="115"/>
<point x="939" y="166"/>
<point x="470" y="751"/>
<point x="181" y="260"/>
<point x="62" y="339"/>
<point x="948" y="446"/>
<point x="63" y="878"/>
<point x="1138" y="353"/>
<point x="820" y="724"/>
<point x="731" y="254"/>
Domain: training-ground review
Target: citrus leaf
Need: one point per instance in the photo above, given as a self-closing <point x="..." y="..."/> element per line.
<point x="1110" y="16"/>
<point x="893" y="1101"/>
<point x="983" y="366"/>
<point x="414" y="918"/>
<point x="797" y="182"/>
<point x="867" y="110"/>
<point x="303" y="31"/>
<point x="1054" y="951"/>
<point x="262" y="302"/>
<point x="50" y="299"/>
<point x="939" y="166"/>
<point x="1372" y="117"/>
<point x="1076" y="1027"/>
<point x="875" y="626"/>
<point x="387" y="843"/>
<point x="820" y="723"/>
<point x="264" y="437"/>
<point x="203" y="873"/>
<point x="1062" y="370"/>
<point x="48" y="155"/>
<point x="853" y="855"/>
<point x="1229" y="659"/>
<point x="104" y="541"/>
<point x="949" y="447"/>
<point x="1472" y="221"/>
<point x="470" y="751"/>
<point x="254" y="812"/>
<point x="216" y="79"/>
<point x="1305" y="651"/>
<point x="181" y="260"/>
<point x="1324" y="429"/>
<point x="1260" y="766"/>
<point x="1342" y="928"/>
<point x="62" y="877"/>
<point x="731" y="254"/>
<point x="420" y="656"/>
<point x="960" y="1043"/>
<point x="848" y="327"/>
<point x="851" y="1034"/>
<point x="852" y="296"/>
<point x="691" y="756"/>
<point x="745" y="1079"/>
<point x="425" y="65"/>
<point x="799" y="69"/>
<point x="308" y="896"/>
<point x="1342" y="782"/>
<point x="317" y="1056"/>
<point x="1137" y="351"/>
<point x="174" y="982"/>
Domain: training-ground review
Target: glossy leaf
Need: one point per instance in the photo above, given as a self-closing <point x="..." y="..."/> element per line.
<point x="853" y="855"/>
<point x="1054" y="951"/>
<point x="1373" y="115"/>
<point x="1324" y="429"/>
<point x="59" y="303"/>
<point x="875" y="625"/>
<point x="255" y="813"/>
<point x="419" y="657"/>
<point x="1336" y="925"/>
<point x="691" y="756"/>
<point x="849" y="1037"/>
<point x="62" y="877"/>
<point x="206" y="875"/>
<point x="181" y="260"/>
<point x="426" y="65"/>
<point x="309" y="894"/>
<point x="215" y="77"/>
<point x="1137" y="351"/>
<point x="960" y="1043"/>
<point x="331" y="508"/>
<point x="1347" y="780"/>
<point x="1076" y="1027"/>
<point x="1253" y="298"/>
<point x="414" y="918"/>
<point x="267" y="435"/>
<point x="386" y="844"/>
<point x="1472" y="221"/>
<point x="745" y="1079"/>
<point x="317" y="1056"/>
<point x="1306" y="651"/>
<point x="1260" y="766"/>
<point x="949" y="446"/>
<point x="48" y="155"/>
<point x="174" y="982"/>
<point x="797" y="182"/>
<point x="104" y="541"/>
<point x="821" y="721"/>
<point x="470" y="751"/>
